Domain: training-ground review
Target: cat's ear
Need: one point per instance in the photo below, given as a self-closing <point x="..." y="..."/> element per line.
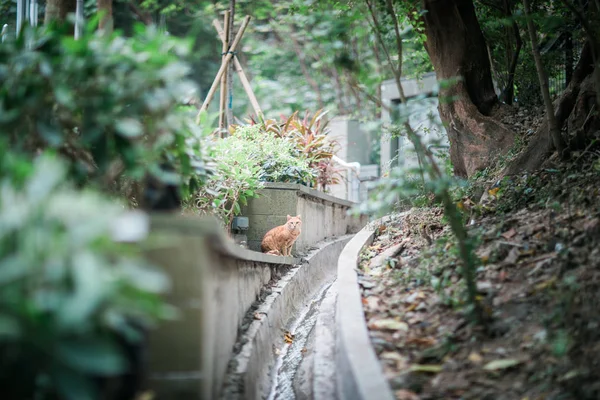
<point x="298" y="216"/>
<point x="288" y="217"/>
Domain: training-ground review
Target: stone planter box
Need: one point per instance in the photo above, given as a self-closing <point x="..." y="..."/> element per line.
<point x="323" y="216"/>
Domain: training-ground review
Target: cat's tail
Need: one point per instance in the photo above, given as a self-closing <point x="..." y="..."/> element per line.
<point x="274" y="252"/>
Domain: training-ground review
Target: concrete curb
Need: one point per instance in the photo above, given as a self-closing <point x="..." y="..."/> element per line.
<point x="250" y="369"/>
<point x="359" y="373"/>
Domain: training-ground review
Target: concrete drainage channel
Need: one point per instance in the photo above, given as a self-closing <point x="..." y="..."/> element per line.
<point x="329" y="354"/>
<point x="268" y="364"/>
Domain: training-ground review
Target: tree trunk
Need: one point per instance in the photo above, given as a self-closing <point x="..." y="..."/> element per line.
<point x="458" y="52"/>
<point x="539" y="147"/>
<point x="106" y="20"/>
<point x="553" y="130"/>
<point x="57" y="10"/>
<point x="509" y="91"/>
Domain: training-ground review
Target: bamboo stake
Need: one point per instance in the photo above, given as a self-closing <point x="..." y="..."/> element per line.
<point x="241" y="73"/>
<point x="213" y="88"/>
<point x="229" y="72"/>
<point x="223" y="99"/>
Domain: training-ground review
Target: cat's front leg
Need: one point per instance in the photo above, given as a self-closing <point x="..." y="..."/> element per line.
<point x="289" y="251"/>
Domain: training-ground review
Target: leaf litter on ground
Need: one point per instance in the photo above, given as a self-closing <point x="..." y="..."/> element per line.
<point x="539" y="279"/>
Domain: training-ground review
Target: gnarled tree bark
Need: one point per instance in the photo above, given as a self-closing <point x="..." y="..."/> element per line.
<point x="457" y="50"/>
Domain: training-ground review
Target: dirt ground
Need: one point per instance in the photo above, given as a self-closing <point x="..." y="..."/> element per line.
<point x="537" y="240"/>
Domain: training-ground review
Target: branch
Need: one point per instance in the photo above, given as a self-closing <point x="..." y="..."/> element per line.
<point x="144" y="16"/>
<point x="377" y="29"/>
<point x="302" y="61"/>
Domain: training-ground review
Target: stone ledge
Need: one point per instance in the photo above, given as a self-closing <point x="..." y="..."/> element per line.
<point x="209" y="227"/>
<point x="309" y="192"/>
<point x="359" y="373"/>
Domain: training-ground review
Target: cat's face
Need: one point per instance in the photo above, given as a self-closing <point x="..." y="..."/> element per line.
<point x="293" y="223"/>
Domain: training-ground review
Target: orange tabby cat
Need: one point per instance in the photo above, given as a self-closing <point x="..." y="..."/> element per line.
<point x="279" y="240"/>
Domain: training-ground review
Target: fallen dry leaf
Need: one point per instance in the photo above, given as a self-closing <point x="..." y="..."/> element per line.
<point x="403" y="394"/>
<point x="388" y="324"/>
<point x="475" y="358"/>
<point x="400" y="361"/>
<point x="421" y="341"/>
<point x="545" y="284"/>
<point x="508" y="234"/>
<point x="288" y="337"/>
<point x="494" y="191"/>
<point x="501" y="364"/>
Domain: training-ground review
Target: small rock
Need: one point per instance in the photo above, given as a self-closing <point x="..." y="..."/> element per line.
<point x="421" y="307"/>
<point x="484" y="286"/>
<point x="411" y="298"/>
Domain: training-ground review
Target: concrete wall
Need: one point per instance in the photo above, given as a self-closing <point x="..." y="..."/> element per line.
<point x="353" y="141"/>
<point x="323" y="216"/>
<point x="214" y="284"/>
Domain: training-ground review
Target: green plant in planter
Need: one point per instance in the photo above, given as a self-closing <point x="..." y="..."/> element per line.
<point x="67" y="291"/>
<point x="311" y="138"/>
<point x="243" y="162"/>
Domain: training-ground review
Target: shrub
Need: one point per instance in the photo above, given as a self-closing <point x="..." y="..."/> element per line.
<point x="243" y="161"/>
<point x="311" y="138"/>
<point x="107" y="104"/>
<point x="66" y="290"/>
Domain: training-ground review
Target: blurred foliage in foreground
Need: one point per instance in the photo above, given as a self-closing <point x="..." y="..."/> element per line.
<point x="70" y="297"/>
<point x="108" y="105"/>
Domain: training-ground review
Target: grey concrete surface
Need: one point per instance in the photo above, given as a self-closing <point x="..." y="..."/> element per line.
<point x="250" y="372"/>
<point x="359" y="374"/>
<point x="323" y="216"/>
<point x="323" y="368"/>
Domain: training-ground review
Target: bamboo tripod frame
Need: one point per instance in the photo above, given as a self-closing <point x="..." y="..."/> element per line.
<point x="229" y="53"/>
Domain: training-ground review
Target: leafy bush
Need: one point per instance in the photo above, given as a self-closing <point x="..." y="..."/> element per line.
<point x="107" y="104"/>
<point x="243" y="161"/>
<point x="311" y="138"/>
<point x="66" y="290"/>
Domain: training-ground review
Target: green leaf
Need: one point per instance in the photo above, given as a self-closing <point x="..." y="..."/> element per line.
<point x="73" y="386"/>
<point x="11" y="269"/>
<point x="95" y="356"/>
<point x="9" y="327"/>
<point x="426" y="368"/>
<point x="129" y="127"/>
